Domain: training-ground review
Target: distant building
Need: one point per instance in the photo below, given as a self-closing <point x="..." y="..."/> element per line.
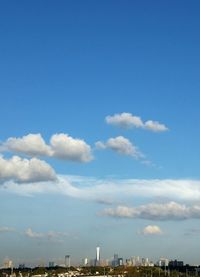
<point x="67" y="260"/>
<point x="128" y="262"/>
<point x="147" y="262"/>
<point x="97" y="260"/>
<point x="85" y="262"/>
<point x="120" y="261"/>
<point x="7" y="264"/>
<point x="104" y="263"/>
<point x="92" y="262"/>
<point x="135" y="261"/>
<point x="176" y="263"/>
<point x="51" y="264"/>
<point x="163" y="262"/>
<point x="144" y="261"/>
<point x="21" y="266"/>
<point x="115" y="261"/>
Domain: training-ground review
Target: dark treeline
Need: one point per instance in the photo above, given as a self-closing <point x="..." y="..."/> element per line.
<point x="120" y="271"/>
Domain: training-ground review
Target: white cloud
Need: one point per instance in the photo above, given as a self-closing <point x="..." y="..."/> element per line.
<point x="156" y="211"/>
<point x="29" y="233"/>
<point x="152" y="230"/>
<point x="120" y="145"/>
<point x="180" y="198"/>
<point x="6" y="229"/>
<point x="155" y="126"/>
<point x="127" y="120"/>
<point x="62" y="146"/>
<point x="32" y="145"/>
<point x="56" y="235"/>
<point x="50" y="235"/>
<point x="67" y="148"/>
<point x="25" y="171"/>
<point x="113" y="188"/>
<point x="100" y="145"/>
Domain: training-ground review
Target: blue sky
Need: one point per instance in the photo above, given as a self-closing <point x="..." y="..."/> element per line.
<point x="99" y="119"/>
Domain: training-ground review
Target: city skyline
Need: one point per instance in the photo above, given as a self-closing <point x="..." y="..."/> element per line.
<point x="99" y="141"/>
<point x="96" y="261"/>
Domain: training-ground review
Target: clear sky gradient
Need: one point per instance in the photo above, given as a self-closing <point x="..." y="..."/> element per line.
<point x="65" y="66"/>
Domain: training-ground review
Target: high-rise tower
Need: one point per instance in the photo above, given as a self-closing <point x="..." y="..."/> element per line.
<point x="67" y="261"/>
<point x="97" y="261"/>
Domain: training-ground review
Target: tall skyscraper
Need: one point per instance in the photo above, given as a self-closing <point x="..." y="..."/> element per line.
<point x="115" y="261"/>
<point x="97" y="256"/>
<point x="67" y="261"/>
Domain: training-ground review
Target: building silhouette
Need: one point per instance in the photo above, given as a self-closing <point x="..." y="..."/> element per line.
<point x="97" y="260"/>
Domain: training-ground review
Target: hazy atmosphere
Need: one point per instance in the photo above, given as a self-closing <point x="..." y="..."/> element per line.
<point x="99" y="141"/>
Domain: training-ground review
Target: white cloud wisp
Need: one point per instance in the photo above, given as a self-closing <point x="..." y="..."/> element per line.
<point x="156" y="211"/>
<point x="113" y="189"/>
<point x="120" y="145"/>
<point x="6" y="230"/>
<point x="128" y="120"/>
<point x="50" y="235"/>
<point x="180" y="198"/>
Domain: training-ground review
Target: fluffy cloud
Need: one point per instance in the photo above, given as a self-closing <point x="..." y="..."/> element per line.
<point x="124" y="120"/>
<point x="32" y="145"/>
<point x="127" y="120"/>
<point x="152" y="230"/>
<point x="155" y="211"/>
<point x="120" y="145"/>
<point x="61" y="146"/>
<point x="67" y="148"/>
<point x="25" y="171"/>
<point x="154" y="126"/>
